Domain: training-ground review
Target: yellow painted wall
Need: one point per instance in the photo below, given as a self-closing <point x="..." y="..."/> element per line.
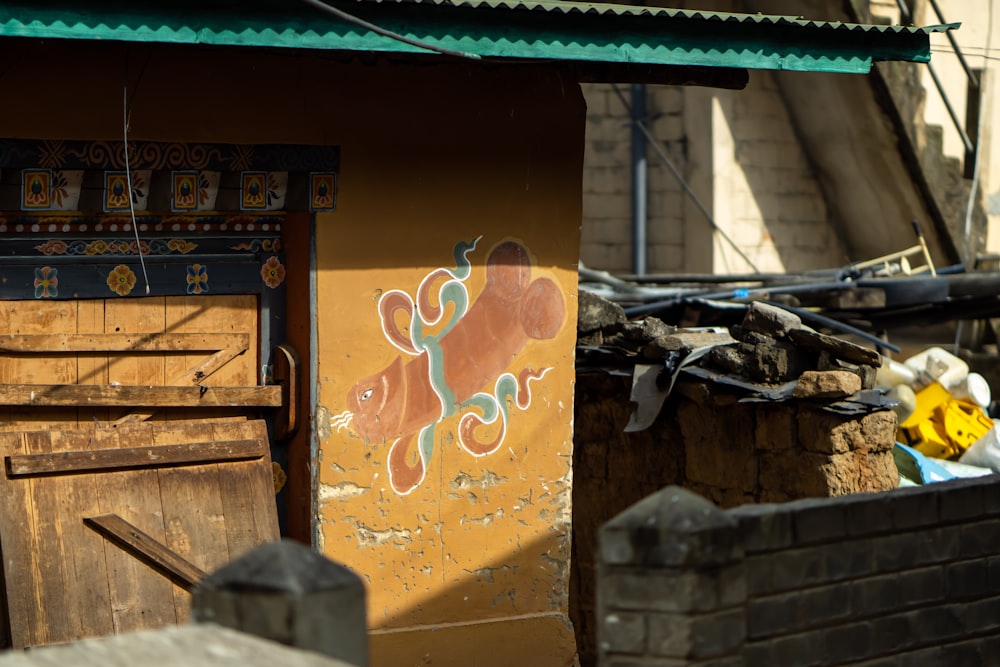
<point x="472" y="566"/>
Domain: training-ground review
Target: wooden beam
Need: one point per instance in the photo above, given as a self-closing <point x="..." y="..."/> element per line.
<point x="80" y="395"/>
<point x="100" y="343"/>
<point x="147" y="549"/>
<point x="55" y="463"/>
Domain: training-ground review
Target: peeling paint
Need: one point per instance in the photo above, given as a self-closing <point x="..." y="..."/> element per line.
<point x="369" y="537"/>
<point x="465" y="481"/>
<point x="322" y="423"/>
<point x="484" y="520"/>
<point x="341" y="491"/>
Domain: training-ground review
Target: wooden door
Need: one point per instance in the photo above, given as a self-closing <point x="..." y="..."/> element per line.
<point x="64" y="364"/>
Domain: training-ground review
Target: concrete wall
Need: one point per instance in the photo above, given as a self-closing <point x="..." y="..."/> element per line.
<point x="739" y="153"/>
<point x="906" y="577"/>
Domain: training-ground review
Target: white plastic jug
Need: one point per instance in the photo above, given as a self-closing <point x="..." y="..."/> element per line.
<point x="893" y="373"/>
<point x="937" y="365"/>
<point x="974" y="388"/>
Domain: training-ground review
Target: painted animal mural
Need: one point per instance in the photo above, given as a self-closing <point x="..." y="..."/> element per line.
<point x="458" y="369"/>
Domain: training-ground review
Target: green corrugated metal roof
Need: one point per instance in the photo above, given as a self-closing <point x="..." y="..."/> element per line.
<point x="493" y="29"/>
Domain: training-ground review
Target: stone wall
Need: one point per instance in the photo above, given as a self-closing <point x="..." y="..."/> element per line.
<point x="905" y="577"/>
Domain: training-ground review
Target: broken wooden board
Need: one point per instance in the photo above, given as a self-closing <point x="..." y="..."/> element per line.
<point x="64" y="580"/>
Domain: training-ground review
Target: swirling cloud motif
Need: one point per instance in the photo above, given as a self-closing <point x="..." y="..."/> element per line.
<point x="452" y="357"/>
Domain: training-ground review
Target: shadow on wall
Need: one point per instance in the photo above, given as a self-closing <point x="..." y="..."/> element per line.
<point x="496" y="616"/>
<point x="611" y="471"/>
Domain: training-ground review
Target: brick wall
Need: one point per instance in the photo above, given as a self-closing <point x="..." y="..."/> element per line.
<point x="904" y="577"/>
<point x="707" y="442"/>
<point x="760" y="186"/>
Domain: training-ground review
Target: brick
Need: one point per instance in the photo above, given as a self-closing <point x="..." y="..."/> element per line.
<point x="818" y="521"/>
<point x="677" y="591"/>
<point x="806" y="650"/>
<point x="759" y="654"/>
<point x="961" y="499"/>
<point x="758" y="575"/>
<point x="982" y="616"/>
<point x="967" y="579"/>
<point x="894" y="552"/>
<point x="688" y="636"/>
<point x="867" y="514"/>
<point x="774" y="615"/>
<point x="847" y="643"/>
<point x="826" y="384"/>
<point x="993" y="578"/>
<point x="797" y="568"/>
<point x="891" y="634"/>
<point x="819" y="606"/>
<point x="928" y="657"/>
<point x="989" y="650"/>
<point x="622" y="632"/>
<point x="875" y="595"/>
<point x="979" y="539"/>
<point x="763" y="527"/>
<point x="991" y="496"/>
<point x="962" y="653"/>
<point x="934" y="624"/>
<point x="732" y="585"/>
<point x="636" y="661"/>
<point x="921" y="586"/>
<point x="848" y="560"/>
<point x="937" y="545"/>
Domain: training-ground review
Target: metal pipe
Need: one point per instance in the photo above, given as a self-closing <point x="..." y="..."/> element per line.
<point x="640" y="218"/>
<point x="954" y="45"/>
<point x="966" y="141"/>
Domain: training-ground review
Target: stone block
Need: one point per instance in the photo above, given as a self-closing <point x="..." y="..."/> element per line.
<point x="671" y="528"/>
<point x="719" y="452"/>
<point x="776" y="361"/>
<point x="660" y="590"/>
<point x="803" y="650"/>
<point x="763" y="527"/>
<point x="982" y="616"/>
<point x="758" y="575"/>
<point x="622" y="632"/>
<point x="833" y="433"/>
<point x="595" y="313"/>
<point x="848" y="559"/>
<point x="776" y="426"/>
<point x="938" y="623"/>
<point x="848" y="643"/>
<point x="891" y="634"/>
<point x="770" y="320"/>
<point x="697" y="637"/>
<point x="826" y="384"/>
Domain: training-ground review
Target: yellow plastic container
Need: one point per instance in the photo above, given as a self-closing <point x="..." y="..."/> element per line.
<point x="942" y="426"/>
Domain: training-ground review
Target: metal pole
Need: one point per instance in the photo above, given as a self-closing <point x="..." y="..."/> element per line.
<point x="640" y="217"/>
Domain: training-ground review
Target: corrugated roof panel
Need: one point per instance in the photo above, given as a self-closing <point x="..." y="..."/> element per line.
<point x="510" y="29"/>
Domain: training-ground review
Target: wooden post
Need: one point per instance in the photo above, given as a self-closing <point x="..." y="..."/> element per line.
<point x="290" y="594"/>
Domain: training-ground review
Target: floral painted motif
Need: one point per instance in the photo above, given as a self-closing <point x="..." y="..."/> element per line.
<point x="197" y="278"/>
<point x="273" y="272"/>
<point x="279" y="476"/>
<point x="46" y="282"/>
<point x="121" y="280"/>
<point x="96" y="248"/>
<point x="181" y="245"/>
<point x="53" y="247"/>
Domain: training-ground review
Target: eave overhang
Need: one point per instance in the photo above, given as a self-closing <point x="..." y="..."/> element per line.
<point x="597" y="39"/>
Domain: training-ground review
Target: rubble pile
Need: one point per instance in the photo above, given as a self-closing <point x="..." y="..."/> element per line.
<point x="768" y="411"/>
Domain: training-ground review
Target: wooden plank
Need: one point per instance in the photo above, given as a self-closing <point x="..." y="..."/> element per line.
<point x="150" y="395"/>
<point x="18" y="540"/>
<point x="248" y="498"/>
<point x="133" y="457"/>
<point x="140" y="597"/>
<point x="142" y="545"/>
<point x="90" y="368"/>
<point x="101" y="343"/>
<point x="193" y="513"/>
<point x="69" y="572"/>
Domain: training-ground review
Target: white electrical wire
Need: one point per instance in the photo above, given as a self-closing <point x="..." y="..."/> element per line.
<point x="128" y="180"/>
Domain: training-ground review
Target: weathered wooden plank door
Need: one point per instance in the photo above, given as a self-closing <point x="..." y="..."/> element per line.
<point x="200" y="492"/>
<point x="175" y="341"/>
